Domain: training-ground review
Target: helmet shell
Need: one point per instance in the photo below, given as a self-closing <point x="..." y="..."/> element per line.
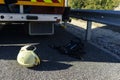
<point x="28" y="58"/>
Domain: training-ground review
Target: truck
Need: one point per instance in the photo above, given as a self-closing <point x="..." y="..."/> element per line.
<point x="40" y="15"/>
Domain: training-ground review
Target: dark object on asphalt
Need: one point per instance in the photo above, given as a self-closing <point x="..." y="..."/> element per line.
<point x="74" y="48"/>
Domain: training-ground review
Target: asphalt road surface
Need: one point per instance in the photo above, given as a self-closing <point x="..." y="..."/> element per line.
<point x="95" y="65"/>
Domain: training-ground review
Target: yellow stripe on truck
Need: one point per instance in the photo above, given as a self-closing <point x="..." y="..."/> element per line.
<point x="33" y="0"/>
<point x="59" y="1"/>
<point x="55" y="3"/>
<point x="48" y="1"/>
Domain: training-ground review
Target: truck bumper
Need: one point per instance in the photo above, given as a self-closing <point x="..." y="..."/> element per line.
<point x="29" y="17"/>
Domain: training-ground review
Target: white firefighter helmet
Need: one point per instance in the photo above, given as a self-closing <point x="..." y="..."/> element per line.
<point x="27" y="57"/>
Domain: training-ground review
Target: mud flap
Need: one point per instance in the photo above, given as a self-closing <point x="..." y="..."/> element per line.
<point x="41" y="28"/>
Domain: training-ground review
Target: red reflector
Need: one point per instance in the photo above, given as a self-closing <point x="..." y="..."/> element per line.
<point x="46" y="10"/>
<point x="40" y="0"/>
<point x="55" y="1"/>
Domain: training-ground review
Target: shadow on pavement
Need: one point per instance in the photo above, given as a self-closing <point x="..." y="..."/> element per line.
<point x="51" y="65"/>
